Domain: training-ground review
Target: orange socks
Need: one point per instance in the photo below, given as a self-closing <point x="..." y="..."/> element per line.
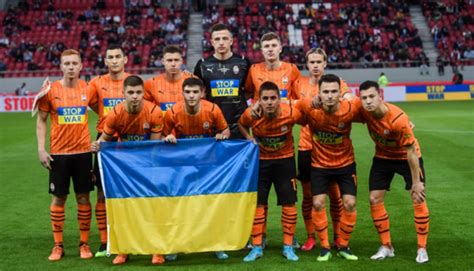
<point x="381" y="223"/>
<point x="101" y="217"/>
<point x="336" y="207"/>
<point x="57" y="222"/>
<point x="320" y="221"/>
<point x="258" y="226"/>
<point x="422" y="222"/>
<point x="84" y="219"/>
<point x="307" y="207"/>
<point x="288" y="221"/>
<point x="348" y="221"/>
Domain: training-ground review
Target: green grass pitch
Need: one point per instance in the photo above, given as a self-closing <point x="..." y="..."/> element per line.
<point x="446" y="134"/>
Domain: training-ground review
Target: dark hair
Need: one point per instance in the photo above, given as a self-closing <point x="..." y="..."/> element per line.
<point x="171" y="49"/>
<point x="270" y="36"/>
<point x="269" y="86"/>
<point x="329" y="78"/>
<point x="219" y="27"/>
<point x="114" y="47"/>
<point x="368" y="84"/>
<point x="193" y="81"/>
<point x="133" y="80"/>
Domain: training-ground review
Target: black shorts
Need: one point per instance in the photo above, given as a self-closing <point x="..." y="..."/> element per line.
<point x="281" y="172"/>
<point x="345" y="177"/>
<point x="304" y="166"/>
<point x="98" y="180"/>
<point x="383" y="170"/>
<point x="75" y="166"/>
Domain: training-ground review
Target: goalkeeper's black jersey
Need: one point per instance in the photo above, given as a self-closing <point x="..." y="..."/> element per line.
<point x="225" y="81"/>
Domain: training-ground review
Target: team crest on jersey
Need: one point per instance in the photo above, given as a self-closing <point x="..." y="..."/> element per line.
<point x="284" y="80"/>
<point x="146" y="126"/>
<point x="236" y="69"/>
<point x="205" y="125"/>
<point x="386" y="132"/>
<point x="51" y="187"/>
<point x="284" y="128"/>
<point x="341" y="126"/>
<point x="84" y="97"/>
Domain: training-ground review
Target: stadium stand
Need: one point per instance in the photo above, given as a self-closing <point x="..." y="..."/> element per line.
<point x="34" y="34"/>
<point x="452" y="28"/>
<point x="367" y="34"/>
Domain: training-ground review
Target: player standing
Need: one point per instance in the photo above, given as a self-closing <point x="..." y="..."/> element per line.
<point x="396" y="151"/>
<point x="272" y="69"/>
<point x="224" y="74"/>
<point x="133" y="120"/>
<point x="307" y="87"/>
<point x="273" y="132"/>
<point x="332" y="159"/>
<point x="106" y="92"/>
<point x="165" y="89"/>
<point x="69" y="155"/>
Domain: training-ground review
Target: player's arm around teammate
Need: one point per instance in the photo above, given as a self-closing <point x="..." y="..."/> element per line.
<point x="273" y="132"/>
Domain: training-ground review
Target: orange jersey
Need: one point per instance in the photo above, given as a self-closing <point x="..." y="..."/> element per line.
<point x="274" y="136"/>
<point x="391" y="134"/>
<point x="69" y="119"/>
<point x="330" y="133"/>
<point x="304" y="90"/>
<point x="284" y="77"/>
<point x="134" y="127"/>
<point x="163" y="92"/>
<point x="208" y="122"/>
<point x="107" y="93"/>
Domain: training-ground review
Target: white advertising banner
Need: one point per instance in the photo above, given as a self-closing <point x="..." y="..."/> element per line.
<point x="13" y="103"/>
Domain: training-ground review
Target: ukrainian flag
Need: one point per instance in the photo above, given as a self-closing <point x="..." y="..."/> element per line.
<point x="193" y="196"/>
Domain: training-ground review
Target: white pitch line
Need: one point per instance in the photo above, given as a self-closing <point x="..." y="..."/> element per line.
<point x="443" y="131"/>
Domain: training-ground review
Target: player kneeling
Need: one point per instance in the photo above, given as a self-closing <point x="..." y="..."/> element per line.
<point x="133" y="120"/>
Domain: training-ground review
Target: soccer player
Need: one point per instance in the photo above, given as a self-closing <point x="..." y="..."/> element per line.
<point x="106" y="92"/>
<point x="307" y="87"/>
<point x="332" y="159"/>
<point x="133" y="120"/>
<point x="69" y="155"/>
<point x="273" y="69"/>
<point x="195" y="118"/>
<point x="273" y="132"/>
<point x="224" y="74"/>
<point x="396" y="151"/>
<point x="165" y="89"/>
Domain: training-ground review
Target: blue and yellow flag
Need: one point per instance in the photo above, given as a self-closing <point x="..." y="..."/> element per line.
<point x="193" y="196"/>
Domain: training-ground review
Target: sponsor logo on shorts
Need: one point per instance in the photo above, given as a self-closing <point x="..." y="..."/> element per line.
<point x="72" y="115"/>
<point x="52" y="187"/>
